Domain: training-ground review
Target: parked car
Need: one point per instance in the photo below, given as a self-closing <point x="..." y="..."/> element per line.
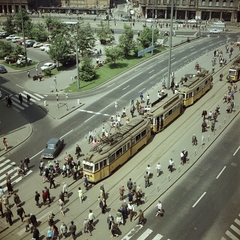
<point x="43" y="48"/>
<point x="21" y="61"/>
<point x="10" y="37"/>
<point x="3" y="34"/>
<point x="10" y="59"/>
<point x="150" y="20"/>
<point x="48" y="66"/>
<point x="3" y="69"/>
<point x="192" y="21"/>
<point x="29" y="43"/>
<point x="37" y="45"/>
<point x="16" y="39"/>
<point x="53" y="148"/>
<point x="125" y="19"/>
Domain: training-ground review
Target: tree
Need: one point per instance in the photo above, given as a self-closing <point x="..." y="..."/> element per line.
<point x="5" y="49"/>
<point x="22" y="14"/>
<point x="60" y="50"/>
<point x="9" y="25"/>
<point x="18" y="50"/>
<point x="39" y="32"/>
<point x="87" y="71"/>
<point x="126" y="42"/>
<point x="145" y="37"/>
<point x="85" y="39"/>
<point x="113" y="54"/>
<point x="55" y="25"/>
<point x="104" y="34"/>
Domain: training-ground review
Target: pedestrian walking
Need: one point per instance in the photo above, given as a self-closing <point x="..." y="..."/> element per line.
<point x="37" y="197"/>
<point x="65" y="189"/>
<point x="78" y="151"/>
<point x="1" y="192"/>
<point x="49" y="234"/>
<point x="72" y="230"/>
<point x="158" y="168"/>
<point x="119" y="218"/>
<point x="28" y="98"/>
<point x="9" y="188"/>
<point x="5" y="144"/>
<point x="171" y="164"/>
<point x="20" y="98"/>
<point x="51" y="182"/>
<point x="85" y="182"/>
<point x="26" y="162"/>
<point x="148" y="170"/>
<point x="91" y="217"/>
<point x="131" y="211"/>
<point x="44" y="197"/>
<point x="63" y="230"/>
<point x="5" y="201"/>
<point x="48" y="195"/>
<point x="41" y="167"/>
<point x="159" y="209"/>
<point x="28" y="74"/>
<point x="1" y="208"/>
<point x="20" y="212"/>
<point x="80" y="195"/>
<point x="61" y="205"/>
<point x="36" y="234"/>
<point x="140" y="217"/>
<point x="114" y="229"/>
<point x="9" y="215"/>
<point x="146" y="177"/>
<point x="141" y="97"/>
<point x="33" y="220"/>
<point x="110" y="219"/>
<point x="129" y="184"/>
<point x="148" y="99"/>
<point x="90" y="136"/>
<point x="55" y="232"/>
<point x="103" y="205"/>
<point x="86" y="226"/>
<point x="26" y="221"/>
<point x="194" y="140"/>
<point x="121" y="192"/>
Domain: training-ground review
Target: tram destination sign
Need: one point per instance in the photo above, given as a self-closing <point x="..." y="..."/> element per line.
<point x="146" y="50"/>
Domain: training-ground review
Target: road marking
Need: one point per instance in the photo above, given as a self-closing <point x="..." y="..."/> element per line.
<point x="237" y="221"/>
<point x="150" y="67"/>
<point x="2" y="164"/>
<point x="198" y="200"/>
<point x="19" y="86"/>
<point x="66" y="134"/>
<point x="236" y="151"/>
<point x="151" y="71"/>
<point x="145" y="234"/>
<point x="32" y="96"/>
<point x="38" y="95"/>
<point x="235" y="229"/>
<point x="12" y="164"/>
<point x="229" y="234"/>
<point x="220" y="172"/>
<point x="173" y="58"/>
<point x="142" y="90"/>
<point x="126" y="87"/>
<point x="132" y="232"/>
<point x="152" y="76"/>
<point x="158" y="237"/>
<point x="110" y="85"/>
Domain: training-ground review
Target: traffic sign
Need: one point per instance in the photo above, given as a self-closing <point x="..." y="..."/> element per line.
<point x="146" y="50"/>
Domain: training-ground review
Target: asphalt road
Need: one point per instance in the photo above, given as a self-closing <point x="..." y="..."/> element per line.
<point x="122" y="89"/>
<point x="204" y="203"/>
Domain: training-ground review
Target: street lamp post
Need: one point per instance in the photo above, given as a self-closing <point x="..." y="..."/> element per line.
<point x="23" y="31"/>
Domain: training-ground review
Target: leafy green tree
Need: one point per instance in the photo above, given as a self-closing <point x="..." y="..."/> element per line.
<point x="104" y="34"/>
<point x="126" y="42"/>
<point x="145" y="37"/>
<point x="60" y="50"/>
<point x="55" y="26"/>
<point x="39" y="32"/>
<point x="85" y="39"/>
<point x="22" y="14"/>
<point x="9" y="25"/>
<point x="49" y="21"/>
<point x="113" y="54"/>
<point x="87" y="71"/>
<point x="5" y="49"/>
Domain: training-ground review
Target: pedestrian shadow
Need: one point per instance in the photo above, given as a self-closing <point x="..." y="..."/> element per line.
<point x="77" y="235"/>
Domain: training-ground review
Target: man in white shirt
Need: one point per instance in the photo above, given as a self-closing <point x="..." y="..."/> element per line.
<point x="158" y="167"/>
<point x="91" y="217"/>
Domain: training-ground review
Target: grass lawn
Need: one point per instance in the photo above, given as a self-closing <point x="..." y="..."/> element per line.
<point x="17" y="67"/>
<point x="111" y="70"/>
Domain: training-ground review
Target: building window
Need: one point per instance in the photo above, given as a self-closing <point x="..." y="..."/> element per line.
<point x="217" y="3"/>
<point x="164" y="1"/>
<point x="158" y="1"/>
<point x="184" y="2"/>
<point x="177" y="2"/>
<point x="224" y="3"/>
<point x="203" y="3"/>
<point x="192" y="3"/>
<point x="210" y="3"/>
<point x="231" y="3"/>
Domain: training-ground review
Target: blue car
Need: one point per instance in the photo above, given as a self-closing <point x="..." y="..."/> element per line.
<point x="3" y="69"/>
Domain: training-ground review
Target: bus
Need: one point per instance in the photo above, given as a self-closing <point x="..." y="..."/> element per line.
<point x="116" y="149"/>
<point x="195" y="87"/>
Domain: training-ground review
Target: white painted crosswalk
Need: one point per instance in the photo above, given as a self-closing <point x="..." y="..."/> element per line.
<point x="10" y="167"/>
<point x="147" y="234"/>
<point x="35" y="98"/>
<point x="233" y="232"/>
<point x="95" y="113"/>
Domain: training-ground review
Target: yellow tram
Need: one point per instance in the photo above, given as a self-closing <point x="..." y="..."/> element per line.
<point x="195" y="87"/>
<point x="234" y="71"/>
<point x="115" y="150"/>
<point x="164" y="111"/>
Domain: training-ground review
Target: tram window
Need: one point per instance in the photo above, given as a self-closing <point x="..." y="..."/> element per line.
<point x="105" y="162"/>
<point x="111" y="158"/>
<point x="144" y="133"/>
<point x="128" y="145"/>
<point x="166" y="115"/>
<point x="206" y="82"/>
<point x="138" y="137"/>
<point x="190" y="95"/>
<point x="170" y="112"/>
<point x="197" y="89"/>
<point x="87" y="167"/>
<point x="119" y="152"/>
<point x="124" y="148"/>
<point x="96" y="167"/>
<point x="101" y="165"/>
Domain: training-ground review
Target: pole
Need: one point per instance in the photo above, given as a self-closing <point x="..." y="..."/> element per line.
<point x="77" y="65"/>
<point x="152" y="32"/>
<point x="23" y="31"/>
<point x="170" y="48"/>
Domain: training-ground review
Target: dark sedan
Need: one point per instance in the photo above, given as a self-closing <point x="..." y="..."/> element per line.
<point x="3" y="69"/>
<point x="53" y="148"/>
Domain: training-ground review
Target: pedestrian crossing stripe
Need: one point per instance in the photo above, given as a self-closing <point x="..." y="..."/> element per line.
<point x="229" y="234"/>
<point x="145" y="234"/>
<point x="233" y="231"/>
<point x="96" y="113"/>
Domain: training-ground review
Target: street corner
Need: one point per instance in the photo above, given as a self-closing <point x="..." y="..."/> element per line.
<point x="58" y="109"/>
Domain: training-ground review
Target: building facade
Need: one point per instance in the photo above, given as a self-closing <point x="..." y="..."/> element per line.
<point x="226" y="10"/>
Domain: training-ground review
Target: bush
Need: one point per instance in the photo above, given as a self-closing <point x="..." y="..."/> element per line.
<point x="47" y="72"/>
